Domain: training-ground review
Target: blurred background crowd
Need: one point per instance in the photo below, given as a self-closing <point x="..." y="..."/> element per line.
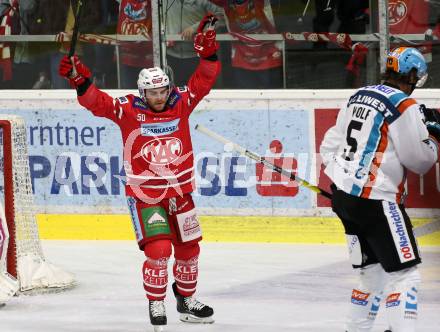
<point x="265" y="44"/>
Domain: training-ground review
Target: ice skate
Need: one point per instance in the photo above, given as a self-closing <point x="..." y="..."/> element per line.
<point x="158" y="316"/>
<point x="191" y="310"/>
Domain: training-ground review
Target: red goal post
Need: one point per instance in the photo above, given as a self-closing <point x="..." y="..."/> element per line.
<point x="25" y="259"/>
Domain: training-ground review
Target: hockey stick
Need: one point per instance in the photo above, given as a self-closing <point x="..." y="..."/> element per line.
<point x="262" y="160"/>
<point x="75" y="28"/>
<point x="426" y="229"/>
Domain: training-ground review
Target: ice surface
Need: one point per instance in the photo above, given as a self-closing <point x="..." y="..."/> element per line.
<point x="252" y="288"/>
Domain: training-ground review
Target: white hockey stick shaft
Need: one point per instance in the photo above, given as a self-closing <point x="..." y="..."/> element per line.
<point x="242" y="150"/>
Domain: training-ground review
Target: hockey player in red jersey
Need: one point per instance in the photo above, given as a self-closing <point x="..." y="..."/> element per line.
<point x="158" y="161"/>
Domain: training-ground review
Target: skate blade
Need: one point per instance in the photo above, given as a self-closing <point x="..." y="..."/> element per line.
<point x="187" y="318"/>
<point x="158" y="328"/>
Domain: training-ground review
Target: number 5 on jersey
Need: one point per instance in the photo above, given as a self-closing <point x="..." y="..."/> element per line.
<point x="351" y="141"/>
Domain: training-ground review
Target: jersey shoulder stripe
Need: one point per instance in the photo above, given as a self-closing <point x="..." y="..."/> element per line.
<point x="404" y="105"/>
<point x="377" y="160"/>
<point x="397" y="98"/>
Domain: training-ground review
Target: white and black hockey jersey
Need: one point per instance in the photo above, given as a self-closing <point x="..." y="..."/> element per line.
<point x="377" y="137"/>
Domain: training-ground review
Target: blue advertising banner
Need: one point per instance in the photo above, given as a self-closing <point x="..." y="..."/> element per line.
<point x="76" y="158"/>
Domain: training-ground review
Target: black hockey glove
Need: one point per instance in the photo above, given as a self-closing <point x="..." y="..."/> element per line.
<point x="434" y="129"/>
<point x="432" y="121"/>
<point x="431" y="114"/>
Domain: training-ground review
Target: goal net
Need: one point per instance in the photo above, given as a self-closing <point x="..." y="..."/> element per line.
<point x="25" y="259"/>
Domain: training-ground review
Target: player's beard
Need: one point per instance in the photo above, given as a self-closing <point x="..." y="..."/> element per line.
<point x="158" y="106"/>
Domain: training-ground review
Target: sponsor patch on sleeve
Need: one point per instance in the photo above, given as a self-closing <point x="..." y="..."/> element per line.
<point x="122" y="100"/>
<point x="174" y="98"/>
<point x="139" y="103"/>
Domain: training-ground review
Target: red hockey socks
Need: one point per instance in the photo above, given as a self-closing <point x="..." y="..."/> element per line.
<point x="185" y="268"/>
<point x="155" y="269"/>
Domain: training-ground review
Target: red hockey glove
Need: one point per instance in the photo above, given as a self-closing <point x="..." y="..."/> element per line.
<point x="205" y="42"/>
<point x="75" y="71"/>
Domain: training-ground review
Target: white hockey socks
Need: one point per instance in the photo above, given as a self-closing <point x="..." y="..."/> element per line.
<point x="365" y="299"/>
<point x="401" y="302"/>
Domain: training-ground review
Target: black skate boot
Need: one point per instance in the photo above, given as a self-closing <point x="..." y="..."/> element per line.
<point x="191" y="310"/>
<point x="158" y="316"/>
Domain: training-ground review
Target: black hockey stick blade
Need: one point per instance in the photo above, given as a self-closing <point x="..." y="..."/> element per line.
<point x="74" y="39"/>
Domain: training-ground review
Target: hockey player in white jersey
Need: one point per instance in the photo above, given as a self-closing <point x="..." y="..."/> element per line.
<point x="378" y="136"/>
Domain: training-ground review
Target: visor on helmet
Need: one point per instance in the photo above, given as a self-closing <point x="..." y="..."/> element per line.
<point x="404" y="59"/>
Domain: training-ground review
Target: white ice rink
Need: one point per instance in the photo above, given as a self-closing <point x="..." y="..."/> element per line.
<point x="252" y="287"/>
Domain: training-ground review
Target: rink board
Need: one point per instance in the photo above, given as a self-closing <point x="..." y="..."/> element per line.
<point x="76" y="165"/>
<point x="258" y="229"/>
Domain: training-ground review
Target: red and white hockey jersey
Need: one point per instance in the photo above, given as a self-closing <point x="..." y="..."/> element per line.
<point x="252" y="17"/>
<point x="135" y="19"/>
<point x="410" y="17"/>
<point x="376" y="138"/>
<point x="158" y="154"/>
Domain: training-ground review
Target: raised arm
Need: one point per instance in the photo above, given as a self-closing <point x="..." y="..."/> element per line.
<point x="89" y="96"/>
<point x="209" y="68"/>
